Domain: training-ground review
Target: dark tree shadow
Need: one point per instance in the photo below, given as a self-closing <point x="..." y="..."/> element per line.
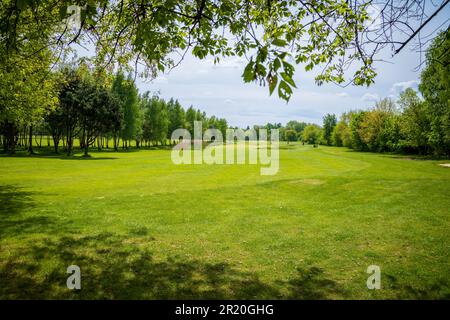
<point x="312" y="284"/>
<point x="118" y="266"/>
<point x="440" y="289"/>
<point x="113" y="269"/>
<point x="52" y="155"/>
<point x="15" y="204"/>
<point x="78" y="154"/>
<point x="13" y="200"/>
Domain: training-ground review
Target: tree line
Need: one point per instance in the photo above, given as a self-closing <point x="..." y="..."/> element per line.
<point x="95" y="107"/>
<point x="418" y="122"/>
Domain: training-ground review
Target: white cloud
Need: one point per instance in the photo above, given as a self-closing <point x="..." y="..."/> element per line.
<point x="402" y="86"/>
<point x="343" y="94"/>
<point x="370" y="97"/>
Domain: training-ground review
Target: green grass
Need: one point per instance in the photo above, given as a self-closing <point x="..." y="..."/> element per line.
<point x="142" y="227"/>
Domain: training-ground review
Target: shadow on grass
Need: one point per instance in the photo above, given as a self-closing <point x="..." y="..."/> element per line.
<point x="114" y="267"/>
<point x="13" y="200"/>
<point x="52" y="155"/>
<point x="49" y="153"/>
<point x="290" y="146"/>
<point x="14" y="221"/>
<point x="118" y="266"/>
<point x="397" y="155"/>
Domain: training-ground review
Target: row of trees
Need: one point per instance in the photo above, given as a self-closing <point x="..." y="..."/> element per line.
<point x="161" y="118"/>
<point x="411" y="125"/>
<point x="294" y="130"/>
<point x="416" y="123"/>
<point x="95" y="107"/>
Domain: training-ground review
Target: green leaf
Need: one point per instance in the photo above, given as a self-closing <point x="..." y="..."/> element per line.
<point x="309" y="66"/>
<point x="284" y="91"/>
<point x="276" y="64"/>
<point x="249" y="72"/>
<point x="279" y="42"/>
<point x="288" y="79"/>
<point x="273" y="84"/>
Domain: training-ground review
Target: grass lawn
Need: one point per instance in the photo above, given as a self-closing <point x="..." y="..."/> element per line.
<point x="141" y="227"/>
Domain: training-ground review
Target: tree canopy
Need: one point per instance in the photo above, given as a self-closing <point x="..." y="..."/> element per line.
<point x="273" y="35"/>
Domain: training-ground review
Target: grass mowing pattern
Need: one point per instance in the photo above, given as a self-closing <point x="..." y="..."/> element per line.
<point x="140" y="227"/>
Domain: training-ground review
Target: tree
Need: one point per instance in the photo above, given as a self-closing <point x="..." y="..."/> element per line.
<point x="88" y="109"/>
<point x="415" y="122"/>
<point x="177" y="116"/>
<point x="191" y="116"/>
<point x="356" y="118"/>
<point x="312" y="134"/>
<point x="27" y="93"/>
<point x="329" y="122"/>
<point x="156" y="120"/>
<point x="290" y="135"/>
<point x="100" y="114"/>
<point x="126" y="92"/>
<point x="340" y="136"/>
<point x="55" y="124"/>
<point x="435" y="88"/>
<point x="69" y="99"/>
<point x="115" y="118"/>
<point x="377" y="129"/>
<point x="297" y="126"/>
<point x="222" y="125"/>
<point x="323" y="33"/>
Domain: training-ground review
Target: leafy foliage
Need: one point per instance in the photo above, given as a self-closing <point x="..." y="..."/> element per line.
<point x="275" y="35"/>
<point x="156" y="120"/>
<point x="312" y="134"/>
<point x="435" y="88"/>
<point x="329" y="122"/>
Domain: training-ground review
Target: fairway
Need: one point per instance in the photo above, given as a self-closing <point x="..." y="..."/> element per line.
<point x="141" y="227"/>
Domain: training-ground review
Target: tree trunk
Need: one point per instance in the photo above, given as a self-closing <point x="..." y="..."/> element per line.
<point x="69" y="142"/>
<point x="99" y="142"/>
<point x="85" y="141"/>
<point x="116" y="142"/>
<point x="55" y="143"/>
<point x="10" y="139"/>
<point x="30" y="141"/>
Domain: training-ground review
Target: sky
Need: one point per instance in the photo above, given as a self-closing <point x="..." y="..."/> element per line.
<point x="219" y="89"/>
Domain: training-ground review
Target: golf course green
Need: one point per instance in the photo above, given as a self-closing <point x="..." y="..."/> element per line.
<point x="141" y="227"/>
